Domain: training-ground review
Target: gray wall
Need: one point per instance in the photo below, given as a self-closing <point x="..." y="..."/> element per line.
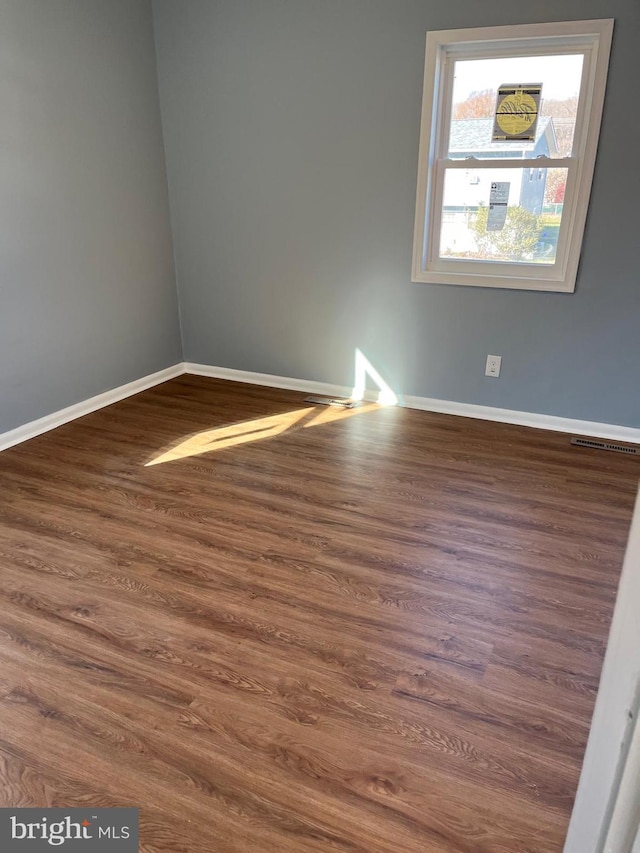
<point x="87" y="290"/>
<point x="291" y="129"/>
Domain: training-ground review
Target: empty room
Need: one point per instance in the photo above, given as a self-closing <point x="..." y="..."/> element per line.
<point x="319" y="426"/>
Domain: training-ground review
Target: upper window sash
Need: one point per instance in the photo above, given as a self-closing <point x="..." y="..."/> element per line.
<point x="555" y="47"/>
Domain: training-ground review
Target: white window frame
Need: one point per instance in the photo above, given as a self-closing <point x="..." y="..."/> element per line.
<point x="592" y="39"/>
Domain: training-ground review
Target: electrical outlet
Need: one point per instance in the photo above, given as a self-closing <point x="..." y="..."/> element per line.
<point x="493" y="365"/>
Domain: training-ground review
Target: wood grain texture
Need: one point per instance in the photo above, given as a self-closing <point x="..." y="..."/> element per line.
<point x="279" y="627"/>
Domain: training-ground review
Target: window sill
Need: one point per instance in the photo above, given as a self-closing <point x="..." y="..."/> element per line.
<point x="505" y="283"/>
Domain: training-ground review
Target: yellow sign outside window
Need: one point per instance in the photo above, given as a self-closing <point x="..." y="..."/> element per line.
<point x="516" y="115"/>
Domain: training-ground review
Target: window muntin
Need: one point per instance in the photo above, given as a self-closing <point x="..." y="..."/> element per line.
<point x="549" y="177"/>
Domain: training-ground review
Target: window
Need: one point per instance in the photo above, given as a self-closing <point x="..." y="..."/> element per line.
<point x="510" y="124"/>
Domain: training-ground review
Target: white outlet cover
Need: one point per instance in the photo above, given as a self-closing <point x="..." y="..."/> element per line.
<point x="494" y="363"/>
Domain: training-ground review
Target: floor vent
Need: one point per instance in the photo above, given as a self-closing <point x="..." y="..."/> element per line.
<point x="604" y="445"/>
<point x="342" y="402"/>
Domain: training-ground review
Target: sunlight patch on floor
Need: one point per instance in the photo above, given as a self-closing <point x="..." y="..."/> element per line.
<point x="259" y="429"/>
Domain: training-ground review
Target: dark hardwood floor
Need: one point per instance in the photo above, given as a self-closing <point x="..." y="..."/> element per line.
<point x="370" y="631"/>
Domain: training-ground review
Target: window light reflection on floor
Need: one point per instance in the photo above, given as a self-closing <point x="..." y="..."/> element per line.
<point x="271" y="426"/>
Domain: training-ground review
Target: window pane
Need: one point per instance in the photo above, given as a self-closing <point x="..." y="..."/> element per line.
<point x="475" y="94"/>
<point x="502" y="214"/>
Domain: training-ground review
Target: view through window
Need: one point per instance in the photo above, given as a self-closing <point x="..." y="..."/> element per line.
<point x="534" y="195"/>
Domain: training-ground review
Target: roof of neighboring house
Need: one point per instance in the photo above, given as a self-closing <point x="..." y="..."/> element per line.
<point x="474" y="134"/>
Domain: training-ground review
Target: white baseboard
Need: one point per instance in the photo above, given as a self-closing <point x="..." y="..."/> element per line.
<point x="594" y="429"/>
<point x="612" y="432"/>
<point x="63" y="416"/>
<point x="268" y="380"/>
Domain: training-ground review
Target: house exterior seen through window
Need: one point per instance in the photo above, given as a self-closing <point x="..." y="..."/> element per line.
<point x="510" y="124"/>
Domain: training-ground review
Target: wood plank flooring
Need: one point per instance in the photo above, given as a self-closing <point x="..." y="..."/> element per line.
<point x="279" y="627"/>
